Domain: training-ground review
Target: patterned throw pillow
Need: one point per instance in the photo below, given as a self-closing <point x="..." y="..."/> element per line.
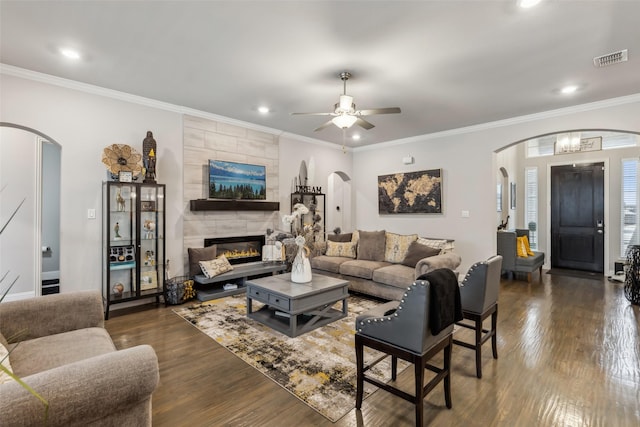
<point x="343" y="249"/>
<point x="215" y="267"/>
<point x="396" y="246"/>
<point x="444" y="245"/>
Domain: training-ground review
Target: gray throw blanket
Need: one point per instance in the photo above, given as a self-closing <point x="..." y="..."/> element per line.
<point x="446" y="307"/>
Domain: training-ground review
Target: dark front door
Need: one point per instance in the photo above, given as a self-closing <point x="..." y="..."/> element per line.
<point x="577" y="217"/>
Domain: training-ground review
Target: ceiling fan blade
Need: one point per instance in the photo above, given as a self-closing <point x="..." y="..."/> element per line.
<point x="312" y="114"/>
<point x="390" y="110"/>
<point x="324" y="125"/>
<point x="364" y="124"/>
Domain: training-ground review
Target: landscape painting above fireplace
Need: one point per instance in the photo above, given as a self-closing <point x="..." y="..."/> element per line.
<point x="231" y="180"/>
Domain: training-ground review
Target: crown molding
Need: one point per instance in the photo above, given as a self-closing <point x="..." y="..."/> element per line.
<point x="10" y="70"/>
<point x="596" y="105"/>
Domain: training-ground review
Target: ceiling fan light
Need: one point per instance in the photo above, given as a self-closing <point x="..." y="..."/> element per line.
<point x="344" y="121"/>
<point x="346" y="102"/>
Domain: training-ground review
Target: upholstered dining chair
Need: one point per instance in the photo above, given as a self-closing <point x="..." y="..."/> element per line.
<point x="479" y="297"/>
<point x="414" y="329"/>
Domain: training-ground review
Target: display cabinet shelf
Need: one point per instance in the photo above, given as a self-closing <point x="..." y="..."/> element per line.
<point x="133" y="242"/>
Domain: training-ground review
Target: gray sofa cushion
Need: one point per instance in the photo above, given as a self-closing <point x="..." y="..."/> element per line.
<point x="371" y="245"/>
<point x="328" y="263"/>
<point x="395" y="275"/>
<point x="44" y="353"/>
<point x="362" y="268"/>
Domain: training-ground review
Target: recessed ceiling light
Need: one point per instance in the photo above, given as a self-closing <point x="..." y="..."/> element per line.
<point x="526" y="4"/>
<point x="70" y="53"/>
<point x="569" y="89"/>
<point x="356" y="136"/>
<point x="263" y="110"/>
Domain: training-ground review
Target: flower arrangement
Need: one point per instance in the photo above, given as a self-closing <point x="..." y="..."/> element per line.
<point x="308" y="232"/>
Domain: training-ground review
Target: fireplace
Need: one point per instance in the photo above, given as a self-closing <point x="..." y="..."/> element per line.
<point x="238" y="249"/>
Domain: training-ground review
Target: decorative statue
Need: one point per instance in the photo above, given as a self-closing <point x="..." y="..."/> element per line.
<point x="150" y="174"/>
<point x="120" y="201"/>
<point x="116" y="229"/>
<point x="149" y="226"/>
<point x="149" y="158"/>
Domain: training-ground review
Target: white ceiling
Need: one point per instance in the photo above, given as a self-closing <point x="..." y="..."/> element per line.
<point x="446" y="64"/>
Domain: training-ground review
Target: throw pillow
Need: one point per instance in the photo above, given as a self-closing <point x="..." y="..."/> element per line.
<point x="433" y="243"/>
<point x="416" y="252"/>
<point x="200" y="254"/>
<point x="215" y="267"/>
<point x="371" y="245"/>
<point x="4" y="359"/>
<point x="345" y="237"/>
<point x="521" y="247"/>
<point x="396" y="246"/>
<point x="527" y="247"/>
<point x="343" y="249"/>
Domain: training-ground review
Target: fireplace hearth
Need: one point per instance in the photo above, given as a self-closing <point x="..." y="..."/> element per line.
<point x="238" y="249"/>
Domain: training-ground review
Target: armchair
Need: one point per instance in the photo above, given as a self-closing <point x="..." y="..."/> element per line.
<point x="479" y="299"/>
<point x="61" y="349"/>
<point x="408" y="330"/>
<point x="511" y="262"/>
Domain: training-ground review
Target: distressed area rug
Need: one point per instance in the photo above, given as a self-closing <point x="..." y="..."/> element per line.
<point x="318" y="367"/>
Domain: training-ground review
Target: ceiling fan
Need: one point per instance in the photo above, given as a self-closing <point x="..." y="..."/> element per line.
<point x="345" y="114"/>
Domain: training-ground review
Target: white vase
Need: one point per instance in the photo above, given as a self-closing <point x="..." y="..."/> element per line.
<point x="301" y="267"/>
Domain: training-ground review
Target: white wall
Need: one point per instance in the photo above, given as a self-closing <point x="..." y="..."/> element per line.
<point x="18" y="150"/>
<point x="83" y="124"/>
<point x="468" y="160"/>
<point x="326" y="158"/>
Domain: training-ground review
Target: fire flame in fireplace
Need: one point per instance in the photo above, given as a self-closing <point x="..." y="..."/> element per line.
<point x="234" y="253"/>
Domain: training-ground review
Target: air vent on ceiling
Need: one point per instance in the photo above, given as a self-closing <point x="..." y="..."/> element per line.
<point x="611" y="58"/>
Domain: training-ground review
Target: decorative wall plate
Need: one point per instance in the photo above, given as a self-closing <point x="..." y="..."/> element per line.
<point x="122" y="158"/>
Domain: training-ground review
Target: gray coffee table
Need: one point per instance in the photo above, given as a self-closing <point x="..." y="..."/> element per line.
<point x="296" y="308"/>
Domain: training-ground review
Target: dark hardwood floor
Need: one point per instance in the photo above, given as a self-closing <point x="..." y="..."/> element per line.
<point x="569" y="355"/>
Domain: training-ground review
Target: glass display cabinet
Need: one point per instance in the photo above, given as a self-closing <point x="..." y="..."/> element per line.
<point x="133" y="242"/>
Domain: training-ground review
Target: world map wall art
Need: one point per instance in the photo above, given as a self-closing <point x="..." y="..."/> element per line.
<point x="410" y="192"/>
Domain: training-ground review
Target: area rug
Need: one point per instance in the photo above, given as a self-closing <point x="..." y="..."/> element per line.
<point x="318" y="367"/>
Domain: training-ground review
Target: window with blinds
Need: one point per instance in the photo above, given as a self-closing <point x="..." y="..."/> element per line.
<point x="531" y="205"/>
<point x="630" y="220"/>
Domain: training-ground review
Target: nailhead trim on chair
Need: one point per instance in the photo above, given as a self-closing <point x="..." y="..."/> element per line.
<point x="395" y="314"/>
<point x="466" y="276"/>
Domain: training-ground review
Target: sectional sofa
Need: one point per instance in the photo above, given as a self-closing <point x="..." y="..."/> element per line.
<point x="380" y="263"/>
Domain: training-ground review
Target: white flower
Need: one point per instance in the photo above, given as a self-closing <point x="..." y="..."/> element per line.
<point x="288" y="219"/>
<point x="300" y="209"/>
<point x="300" y="240"/>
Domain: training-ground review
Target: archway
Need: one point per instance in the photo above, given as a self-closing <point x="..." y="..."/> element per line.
<point x="339" y="214"/>
<point x="533" y="158"/>
<point x="30" y="184"/>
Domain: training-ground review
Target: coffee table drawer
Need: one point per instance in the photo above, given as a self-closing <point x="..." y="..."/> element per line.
<point x="278" y="301"/>
<point x="259" y="294"/>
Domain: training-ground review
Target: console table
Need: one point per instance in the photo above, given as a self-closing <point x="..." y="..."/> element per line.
<point x="296" y="308"/>
<point x="237" y="276"/>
